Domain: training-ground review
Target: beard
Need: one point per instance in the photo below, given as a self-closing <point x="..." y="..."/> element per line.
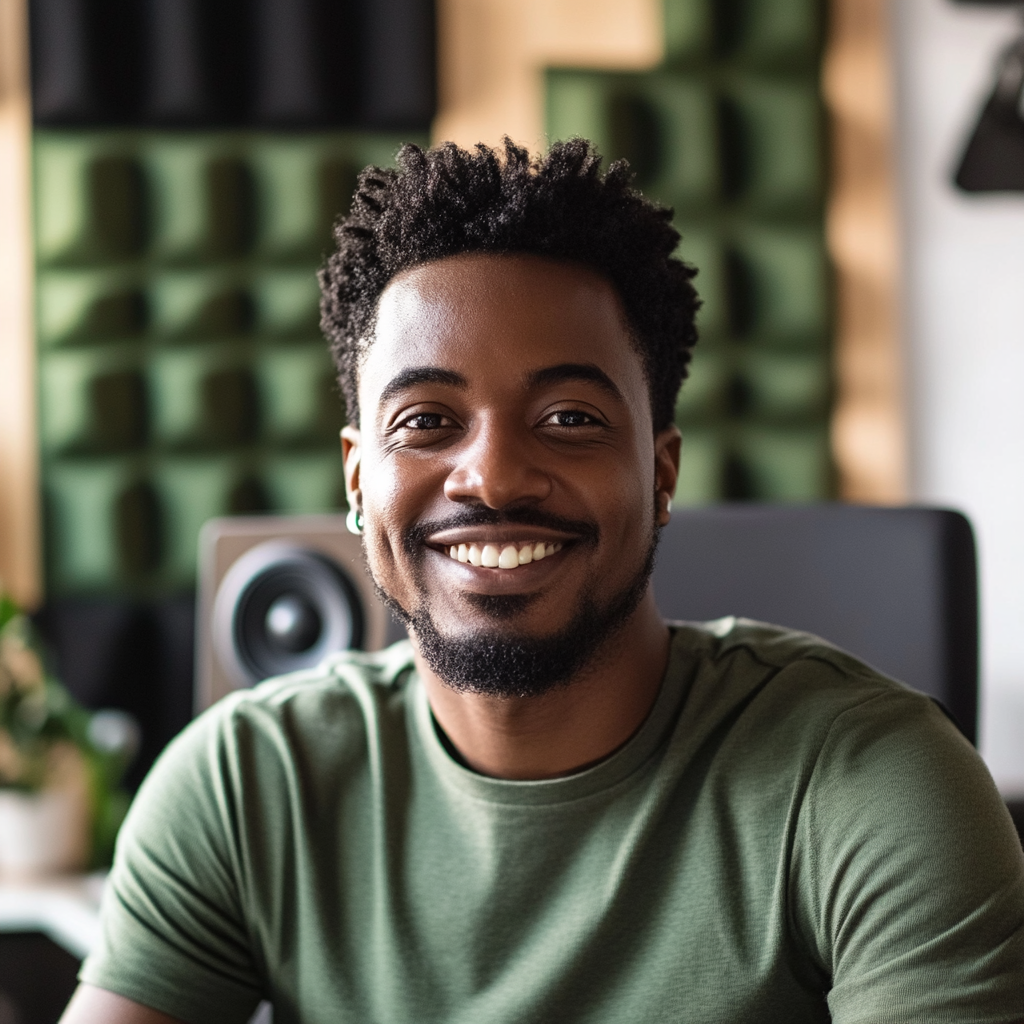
<point x="504" y="662"/>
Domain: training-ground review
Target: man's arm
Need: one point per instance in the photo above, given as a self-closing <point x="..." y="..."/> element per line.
<point x="91" y="1005"/>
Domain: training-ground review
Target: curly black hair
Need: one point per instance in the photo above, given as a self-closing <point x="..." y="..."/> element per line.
<point x="447" y="201"/>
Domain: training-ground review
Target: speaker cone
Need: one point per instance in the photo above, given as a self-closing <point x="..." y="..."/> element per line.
<point x="283" y="607"/>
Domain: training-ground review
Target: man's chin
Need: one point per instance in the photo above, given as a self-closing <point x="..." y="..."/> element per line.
<point x="502" y="661"/>
<point x="501" y="657"/>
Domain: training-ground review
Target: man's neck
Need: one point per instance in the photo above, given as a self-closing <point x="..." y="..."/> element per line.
<point x="569" y="728"/>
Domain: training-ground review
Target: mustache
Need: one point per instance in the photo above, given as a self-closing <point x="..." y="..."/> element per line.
<point x="415" y="536"/>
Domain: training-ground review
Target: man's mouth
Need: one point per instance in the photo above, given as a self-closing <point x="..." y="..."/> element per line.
<point x="502" y="556"/>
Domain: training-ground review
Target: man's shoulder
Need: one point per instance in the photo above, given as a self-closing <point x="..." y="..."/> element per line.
<point x="341" y="677"/>
<point x="773" y="646"/>
<point x="738" y="647"/>
<point x="742" y="668"/>
<point x="324" y="711"/>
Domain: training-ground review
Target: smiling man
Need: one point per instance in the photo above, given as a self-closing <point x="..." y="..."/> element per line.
<point x="549" y="805"/>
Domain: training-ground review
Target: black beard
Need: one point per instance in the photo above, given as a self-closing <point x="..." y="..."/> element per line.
<point x="503" y="663"/>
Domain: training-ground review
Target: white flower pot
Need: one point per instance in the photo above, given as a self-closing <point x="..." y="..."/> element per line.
<point x="43" y="833"/>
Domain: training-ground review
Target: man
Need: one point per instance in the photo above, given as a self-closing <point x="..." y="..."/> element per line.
<point x="550" y="805"/>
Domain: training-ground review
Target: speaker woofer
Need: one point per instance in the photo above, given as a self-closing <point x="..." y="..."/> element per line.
<point x="283" y="607"/>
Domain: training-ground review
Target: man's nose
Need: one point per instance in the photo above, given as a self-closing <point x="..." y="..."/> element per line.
<point x="499" y="466"/>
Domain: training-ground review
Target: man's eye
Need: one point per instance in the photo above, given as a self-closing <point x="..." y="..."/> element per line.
<point x="571" y="418"/>
<point x="426" y="421"/>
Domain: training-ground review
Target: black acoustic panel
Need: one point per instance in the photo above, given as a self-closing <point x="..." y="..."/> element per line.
<point x="398" y="79"/>
<point x="289" y="84"/>
<point x="198" y="61"/>
<point x="234" y="63"/>
<point x="62" y="62"/>
<point x="897" y="587"/>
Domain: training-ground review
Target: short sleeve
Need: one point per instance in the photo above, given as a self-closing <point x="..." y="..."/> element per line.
<point x="173" y="930"/>
<point x="907" y="872"/>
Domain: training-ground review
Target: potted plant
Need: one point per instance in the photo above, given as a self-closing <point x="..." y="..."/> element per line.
<point x="60" y="765"/>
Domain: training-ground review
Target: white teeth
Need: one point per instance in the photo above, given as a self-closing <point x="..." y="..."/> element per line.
<point x="508" y="556"/>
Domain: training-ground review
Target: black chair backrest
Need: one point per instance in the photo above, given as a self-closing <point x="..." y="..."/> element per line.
<point x="897" y="587"/>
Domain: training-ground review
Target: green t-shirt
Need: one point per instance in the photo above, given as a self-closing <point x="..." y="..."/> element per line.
<point x="788" y="836"/>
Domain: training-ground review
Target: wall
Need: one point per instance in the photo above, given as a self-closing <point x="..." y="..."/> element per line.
<point x="964" y="308"/>
<point x="19" y="512"/>
<point x="492" y="55"/>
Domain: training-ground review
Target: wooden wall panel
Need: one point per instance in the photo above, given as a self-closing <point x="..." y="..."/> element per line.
<point x="19" y="501"/>
<point x="492" y="54"/>
<point x="869" y="422"/>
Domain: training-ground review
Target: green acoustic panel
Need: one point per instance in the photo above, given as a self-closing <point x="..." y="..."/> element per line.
<point x="79" y="307"/>
<point x="287" y="303"/>
<point x="729" y="133"/>
<point x="101" y="523"/>
<point x="93" y="401"/>
<point x="784" y="386"/>
<point x="667" y="127"/>
<point x="777" y="34"/>
<point x="307" y="483"/>
<point x="785" y="464"/>
<point x="192" y="490"/>
<point x="705" y="250"/>
<point x="301" y="397"/>
<point x="690" y="31"/>
<point x="704" y="396"/>
<point x="700" y="466"/>
<point x="771" y="145"/>
<point x="779" y="284"/>
<point x="182" y="374"/>
<point x="205" y="397"/>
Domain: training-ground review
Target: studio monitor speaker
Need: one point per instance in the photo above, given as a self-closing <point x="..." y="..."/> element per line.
<point x="280" y="593"/>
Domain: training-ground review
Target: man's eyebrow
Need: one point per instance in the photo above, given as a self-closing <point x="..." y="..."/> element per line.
<point x="420" y="375"/>
<point x="574" y="371"/>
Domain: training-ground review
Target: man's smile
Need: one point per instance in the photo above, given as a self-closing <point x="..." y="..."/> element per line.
<point x="499" y="547"/>
<point x="502" y="556"/>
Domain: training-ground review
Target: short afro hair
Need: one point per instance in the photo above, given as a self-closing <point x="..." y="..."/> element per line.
<point x="449" y="201"/>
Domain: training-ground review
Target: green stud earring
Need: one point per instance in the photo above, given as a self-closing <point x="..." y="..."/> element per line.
<point x="354" y="521"/>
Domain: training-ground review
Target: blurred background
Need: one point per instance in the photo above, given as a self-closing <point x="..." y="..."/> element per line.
<point x="843" y="173"/>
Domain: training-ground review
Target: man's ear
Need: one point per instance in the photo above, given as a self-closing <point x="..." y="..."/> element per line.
<point x="352" y="456"/>
<point x="667" y="445"/>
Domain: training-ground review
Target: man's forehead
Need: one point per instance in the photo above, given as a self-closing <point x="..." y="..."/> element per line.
<point x="499" y="316"/>
<point x="477" y="297"/>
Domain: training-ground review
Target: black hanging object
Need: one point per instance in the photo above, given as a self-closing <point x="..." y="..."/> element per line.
<point x="994" y="158"/>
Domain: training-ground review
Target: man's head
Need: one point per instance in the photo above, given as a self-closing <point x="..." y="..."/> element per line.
<point x="512" y="403"/>
<point x="449" y="201"/>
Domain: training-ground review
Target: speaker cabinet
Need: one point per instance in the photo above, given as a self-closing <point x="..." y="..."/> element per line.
<point x="277" y="594"/>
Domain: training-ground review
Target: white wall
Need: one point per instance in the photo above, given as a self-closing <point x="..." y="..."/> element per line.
<point x="964" y="313"/>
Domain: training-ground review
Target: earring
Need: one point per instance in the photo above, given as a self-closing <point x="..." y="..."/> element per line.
<point x="354" y="521"/>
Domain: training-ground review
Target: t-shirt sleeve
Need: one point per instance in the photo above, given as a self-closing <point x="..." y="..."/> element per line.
<point x="174" y="936"/>
<point x="909" y="873"/>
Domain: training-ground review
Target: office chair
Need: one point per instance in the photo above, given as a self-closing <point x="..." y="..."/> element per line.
<point x="897" y="587"/>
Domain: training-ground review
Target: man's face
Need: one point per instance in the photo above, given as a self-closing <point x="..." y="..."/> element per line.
<point x="505" y="416"/>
